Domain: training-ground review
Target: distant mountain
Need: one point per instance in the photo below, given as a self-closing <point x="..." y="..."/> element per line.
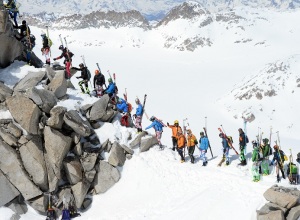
<point x="151" y="9"/>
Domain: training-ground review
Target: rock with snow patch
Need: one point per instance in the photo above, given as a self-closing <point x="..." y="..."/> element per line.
<point x="5" y="91"/>
<point x="136" y="142"/>
<point x="117" y="155"/>
<point x="7" y="191"/>
<point x="294" y="213"/>
<point x="57" y="146"/>
<point x="147" y="143"/>
<point x="58" y="85"/>
<point x="29" y="81"/>
<point x="106" y="177"/>
<point x="79" y="191"/>
<point x="12" y="167"/>
<point x="57" y="117"/>
<point x="17" y="205"/>
<point x="278" y="215"/>
<point x="127" y="149"/>
<point x="73" y="170"/>
<point x="28" y="116"/>
<point x="81" y="127"/>
<point x="90" y="175"/>
<point x="8" y="138"/>
<point x="280" y="197"/>
<point x="88" y="161"/>
<point x="44" y="99"/>
<point x="34" y="162"/>
<point x="39" y="203"/>
<point x="14" y="130"/>
<point x="100" y="110"/>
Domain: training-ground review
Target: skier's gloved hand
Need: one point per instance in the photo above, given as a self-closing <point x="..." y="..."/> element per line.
<point x="77" y="77"/>
<point x="54" y="59"/>
<point x="168" y="123"/>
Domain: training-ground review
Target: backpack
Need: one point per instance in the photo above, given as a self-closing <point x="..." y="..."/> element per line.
<point x="195" y="141"/>
<point x="129" y="107"/>
<point x="88" y="73"/>
<point x="50" y="43"/>
<point x="230" y="139"/>
<point x="283" y="156"/>
<point x="294" y="169"/>
<point x="270" y="150"/>
<point x="246" y="139"/>
<point x="65" y="214"/>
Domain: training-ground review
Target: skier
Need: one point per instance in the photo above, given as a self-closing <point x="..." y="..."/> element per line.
<point x="226" y="148"/>
<point x="122" y="107"/>
<point x="111" y="88"/>
<point x="13" y="11"/>
<point x="138" y="115"/>
<point x="292" y="173"/>
<point x="278" y="159"/>
<point x="175" y="129"/>
<point x="191" y="142"/>
<point x="256" y="159"/>
<point x="85" y="78"/>
<point x="181" y="143"/>
<point x="99" y="81"/>
<point x="68" y="59"/>
<point x="242" y="142"/>
<point x="158" y="127"/>
<point x="24" y="31"/>
<point x="203" y="147"/>
<point x="46" y="48"/>
<point x="266" y="151"/>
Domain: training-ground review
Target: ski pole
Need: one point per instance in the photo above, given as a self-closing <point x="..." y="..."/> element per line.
<point x="48" y="39"/>
<point x="61" y="41"/>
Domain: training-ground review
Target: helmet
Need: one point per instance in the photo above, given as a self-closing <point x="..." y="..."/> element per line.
<point x="152" y="118"/>
<point x="109" y="80"/>
<point x="61" y="47"/>
<point x="81" y="65"/>
<point x="254" y="143"/>
<point x="137" y="100"/>
<point x="189" y="131"/>
<point x="202" y="133"/>
<point x="220" y="135"/>
<point x="265" y="140"/>
<point x="23" y="22"/>
<point x="43" y="34"/>
<point x="240" y="130"/>
<point x="176" y="122"/>
<point x="276" y="147"/>
<point x="97" y="72"/>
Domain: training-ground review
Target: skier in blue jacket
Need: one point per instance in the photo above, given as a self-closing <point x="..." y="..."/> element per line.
<point x="203" y="147"/>
<point x="226" y="148"/>
<point x="138" y="115"/>
<point x="111" y="88"/>
<point x="122" y="107"/>
<point x="158" y="127"/>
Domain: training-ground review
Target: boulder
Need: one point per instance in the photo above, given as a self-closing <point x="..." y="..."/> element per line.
<point x="12" y="167"/>
<point x="278" y="215"/>
<point x="147" y="143"/>
<point x="57" y="117"/>
<point x="78" y="149"/>
<point x="281" y="198"/>
<point x="106" y="146"/>
<point x="14" y="130"/>
<point x="137" y="141"/>
<point x="58" y="85"/>
<point x="33" y="159"/>
<point x="269" y="207"/>
<point x="7" y="191"/>
<point x="106" y="177"/>
<point x="28" y="116"/>
<point x="100" y="110"/>
<point x="86" y="203"/>
<point x="52" y="178"/>
<point x="81" y="127"/>
<point x="88" y="161"/>
<point x="44" y="99"/>
<point x="50" y="72"/>
<point x="79" y="191"/>
<point x="40" y="203"/>
<point x="117" y="155"/>
<point x="73" y="170"/>
<point x="57" y="146"/>
<point x="5" y="92"/>
<point x="29" y="81"/>
<point x="294" y="213"/>
<point x="127" y="149"/>
<point x="8" y="138"/>
<point x="90" y="175"/>
<point x="18" y="205"/>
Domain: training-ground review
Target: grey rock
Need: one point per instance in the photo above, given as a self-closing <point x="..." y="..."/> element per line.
<point x="76" y="138"/>
<point x="100" y="110"/>
<point x="269" y="207"/>
<point x="14" y="130"/>
<point x="7" y="191"/>
<point x="50" y="73"/>
<point x="40" y="203"/>
<point x="33" y="159"/>
<point x="106" y="146"/>
<point x="65" y="197"/>
<point x="29" y="81"/>
<point x="18" y="205"/>
<point x="294" y="213"/>
<point x="73" y="170"/>
<point x="280" y="198"/>
<point x="58" y="85"/>
<point x="15" y="216"/>
<point x="86" y="203"/>
<point x="27" y="116"/>
<point x="8" y="138"/>
<point x="23" y="140"/>
<point x="106" y="177"/>
<point x="57" y="117"/>
<point x="57" y="146"/>
<point x="147" y="143"/>
<point x="78" y="149"/>
<point x="5" y="121"/>
<point x="88" y="161"/>
<point x="278" y="215"/>
<point x="52" y="178"/>
<point x="117" y="155"/>
<point x="127" y="149"/>
<point x="81" y="127"/>
<point x="90" y="175"/>
<point x="79" y="191"/>
<point x="137" y="141"/>
<point x="128" y="156"/>
<point x="44" y="99"/>
<point x="5" y="91"/>
<point x="12" y="167"/>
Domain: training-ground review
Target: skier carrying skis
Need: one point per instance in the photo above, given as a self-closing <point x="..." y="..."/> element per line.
<point x="85" y="78"/>
<point x="226" y="148"/>
<point x="122" y="107"/>
<point x="278" y="159"/>
<point x="203" y="147"/>
<point x="99" y="81"/>
<point x="256" y="159"/>
<point x="292" y="173"/>
<point x="110" y="88"/>
<point x="138" y="115"/>
<point x="181" y="143"/>
<point x="191" y="142"/>
<point x="242" y="142"/>
<point x="175" y="129"/>
<point x="158" y="127"/>
<point x="67" y="54"/>
<point x="46" y="48"/>
<point x="12" y="10"/>
<point x="266" y="151"/>
<point x="24" y="31"/>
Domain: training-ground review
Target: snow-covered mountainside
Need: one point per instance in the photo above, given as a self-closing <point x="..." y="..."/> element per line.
<point x="150" y="8"/>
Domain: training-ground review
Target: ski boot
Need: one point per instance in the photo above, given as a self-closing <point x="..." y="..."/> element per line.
<point x="278" y="179"/>
<point x="204" y="163"/>
<point x="182" y="161"/>
<point x="227" y="162"/>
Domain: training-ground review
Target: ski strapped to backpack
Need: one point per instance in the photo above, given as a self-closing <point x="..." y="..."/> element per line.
<point x="68" y="52"/>
<point x="143" y="106"/>
<point x="88" y="72"/>
<point x="50" y="43"/>
<point x="228" y="140"/>
<point x="205" y="132"/>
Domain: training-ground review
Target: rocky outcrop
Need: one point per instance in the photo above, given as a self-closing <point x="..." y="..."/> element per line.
<point x="58" y="85"/>
<point x="29" y="81"/>
<point x="44" y="99"/>
<point x="101" y="110"/>
<point x="81" y="127"/>
<point x="7" y="191"/>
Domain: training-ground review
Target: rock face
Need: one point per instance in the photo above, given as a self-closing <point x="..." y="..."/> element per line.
<point x="29" y="81"/>
<point x="81" y="127"/>
<point x="7" y="191"/>
<point x="28" y="116"/>
<point x="58" y="85"/>
<point x="100" y="110"/>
